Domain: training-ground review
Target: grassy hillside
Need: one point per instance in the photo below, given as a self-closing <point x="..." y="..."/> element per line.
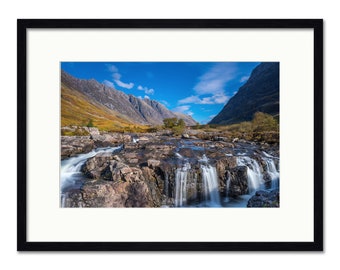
<point x="77" y="109"/>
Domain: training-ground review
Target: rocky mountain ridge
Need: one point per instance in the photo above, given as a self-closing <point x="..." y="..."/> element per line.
<point x="140" y="111"/>
<point x="259" y="94"/>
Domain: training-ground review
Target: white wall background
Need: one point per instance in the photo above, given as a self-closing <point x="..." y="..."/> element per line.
<point x="10" y="259"/>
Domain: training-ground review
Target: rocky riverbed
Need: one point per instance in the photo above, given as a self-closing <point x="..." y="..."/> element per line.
<point x="162" y="170"/>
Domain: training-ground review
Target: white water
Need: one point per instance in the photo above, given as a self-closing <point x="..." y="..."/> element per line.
<point x="210" y="194"/>
<point x="255" y="177"/>
<point x="204" y="159"/>
<point x="178" y="155"/>
<point x="273" y="173"/>
<point x="210" y="186"/>
<point x="70" y="168"/>
<point x="181" y="185"/>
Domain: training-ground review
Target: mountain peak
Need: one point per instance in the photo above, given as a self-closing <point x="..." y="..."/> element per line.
<point x="259" y="94"/>
<point x="140" y="111"/>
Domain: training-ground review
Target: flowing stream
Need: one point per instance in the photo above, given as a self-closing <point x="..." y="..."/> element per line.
<point x="70" y="170"/>
<point x="195" y="182"/>
<point x="255" y="177"/>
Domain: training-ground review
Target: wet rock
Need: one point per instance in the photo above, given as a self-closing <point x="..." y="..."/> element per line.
<point x="238" y="181"/>
<point x="139" y="196"/>
<point x="92" y="131"/>
<point x="73" y="145"/>
<point x="185" y="136"/>
<point x="223" y="165"/>
<point x="133" y="160"/>
<point x="152" y="163"/>
<point x="264" y="198"/>
<point x="162" y="147"/>
<point x="110" y="139"/>
<point x="188" y="152"/>
<point x="130" y="146"/>
<point x="94" y="167"/>
<point x="109" y="194"/>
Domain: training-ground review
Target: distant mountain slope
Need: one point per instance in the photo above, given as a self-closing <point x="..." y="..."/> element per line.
<point x="140" y="111"/>
<point x="189" y="121"/>
<point x="259" y="93"/>
<point x="78" y="109"/>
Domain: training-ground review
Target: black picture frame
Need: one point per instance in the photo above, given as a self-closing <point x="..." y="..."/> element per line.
<point x="22" y="213"/>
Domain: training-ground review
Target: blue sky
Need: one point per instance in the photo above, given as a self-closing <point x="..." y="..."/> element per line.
<point x="199" y="89"/>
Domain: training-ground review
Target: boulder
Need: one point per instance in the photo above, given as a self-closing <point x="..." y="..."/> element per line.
<point x="110" y="194"/>
<point x="153" y="163"/>
<point x="265" y="198"/>
<point x="73" y="145"/>
<point x="237" y="181"/>
<point x="223" y="165"/>
<point x="143" y="138"/>
<point x="185" y="136"/>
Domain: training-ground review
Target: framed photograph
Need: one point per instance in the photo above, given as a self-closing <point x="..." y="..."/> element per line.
<point x="170" y="135"/>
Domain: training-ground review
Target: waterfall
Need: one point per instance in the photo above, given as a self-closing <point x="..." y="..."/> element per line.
<point x="166" y="185"/>
<point x="186" y="183"/>
<point x="255" y="178"/>
<point x="273" y="173"/>
<point x="181" y="185"/>
<point x="70" y="169"/>
<point x="204" y="159"/>
<point x="210" y="186"/>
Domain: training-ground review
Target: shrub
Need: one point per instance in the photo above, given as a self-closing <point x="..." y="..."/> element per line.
<point x="175" y="124"/>
<point x="264" y="122"/>
<point x="90" y="123"/>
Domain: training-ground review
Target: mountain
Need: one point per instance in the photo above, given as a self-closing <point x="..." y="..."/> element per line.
<point x="189" y="121"/>
<point x="127" y="107"/>
<point x="77" y="109"/>
<point x="259" y="94"/>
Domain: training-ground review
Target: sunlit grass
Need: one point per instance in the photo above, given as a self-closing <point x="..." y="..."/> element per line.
<point x="78" y="110"/>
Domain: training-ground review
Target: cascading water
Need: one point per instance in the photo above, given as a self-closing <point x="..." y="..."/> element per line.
<point x="70" y="175"/>
<point x="181" y="185"/>
<point x="186" y="182"/>
<point x="272" y="172"/>
<point x="255" y="177"/>
<point x="210" y="186"/>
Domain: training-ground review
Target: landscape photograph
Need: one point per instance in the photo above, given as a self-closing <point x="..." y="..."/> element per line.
<point x="170" y="134"/>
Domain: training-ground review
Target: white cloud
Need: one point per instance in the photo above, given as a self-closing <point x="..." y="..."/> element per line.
<point x="215" y="79"/>
<point x="146" y="97"/>
<point x="183" y="109"/>
<point x="210" y="87"/>
<point x="146" y="90"/>
<point x="244" y="79"/>
<point x="212" y="116"/>
<point x="191" y="99"/>
<point x="117" y="78"/>
<point x="112" y="68"/>
<point x="108" y="83"/>
<point x="149" y="91"/>
<point x="219" y="98"/>
<point x="124" y="85"/>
